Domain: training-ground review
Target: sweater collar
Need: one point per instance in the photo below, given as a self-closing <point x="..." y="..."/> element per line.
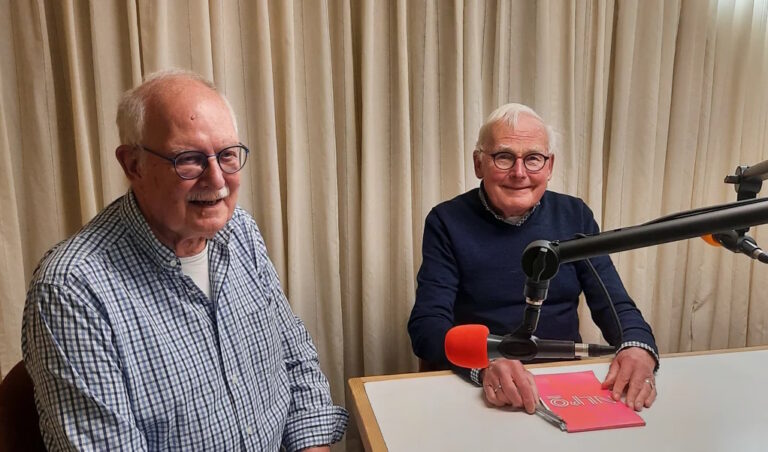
<point x="515" y="221"/>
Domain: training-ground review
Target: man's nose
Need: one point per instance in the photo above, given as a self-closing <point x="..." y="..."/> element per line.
<point x="213" y="176"/>
<point x="518" y="168"/>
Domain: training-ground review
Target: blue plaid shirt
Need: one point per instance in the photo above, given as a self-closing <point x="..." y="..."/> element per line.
<point x="126" y="352"/>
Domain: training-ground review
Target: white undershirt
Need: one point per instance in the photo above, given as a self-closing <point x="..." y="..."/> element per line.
<point x="196" y="267"/>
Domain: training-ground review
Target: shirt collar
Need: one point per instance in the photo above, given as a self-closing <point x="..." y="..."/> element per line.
<point x="515" y="221"/>
<point x="146" y="240"/>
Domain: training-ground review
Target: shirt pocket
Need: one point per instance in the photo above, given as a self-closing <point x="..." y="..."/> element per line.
<point x="259" y="332"/>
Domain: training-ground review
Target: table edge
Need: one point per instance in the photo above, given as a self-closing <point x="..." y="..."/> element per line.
<point x="371" y="435"/>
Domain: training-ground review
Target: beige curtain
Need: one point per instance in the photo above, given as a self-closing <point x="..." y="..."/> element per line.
<point x="362" y="116"/>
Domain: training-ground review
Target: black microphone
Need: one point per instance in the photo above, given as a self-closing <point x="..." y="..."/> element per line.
<point x="472" y="346"/>
<point x="513" y="347"/>
<point x="748" y="246"/>
<point x="732" y="241"/>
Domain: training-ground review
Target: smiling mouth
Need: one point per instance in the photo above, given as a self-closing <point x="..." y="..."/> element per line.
<point x="516" y="188"/>
<point x="207" y="203"/>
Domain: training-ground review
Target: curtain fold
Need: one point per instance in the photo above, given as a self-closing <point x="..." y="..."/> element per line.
<point x="12" y="270"/>
<point x="362" y="115"/>
<point x="682" y="163"/>
<point x="385" y="166"/>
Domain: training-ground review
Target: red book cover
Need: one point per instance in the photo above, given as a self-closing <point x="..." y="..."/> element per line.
<point x="578" y="398"/>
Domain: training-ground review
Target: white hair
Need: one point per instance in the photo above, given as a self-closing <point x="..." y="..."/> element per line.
<point x="509" y="114"/>
<point x="132" y="107"/>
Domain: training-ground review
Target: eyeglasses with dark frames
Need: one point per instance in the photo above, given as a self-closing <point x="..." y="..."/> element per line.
<point x="192" y="164"/>
<point x="533" y="162"/>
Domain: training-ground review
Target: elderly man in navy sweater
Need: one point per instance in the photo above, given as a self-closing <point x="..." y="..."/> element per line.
<point x="471" y="270"/>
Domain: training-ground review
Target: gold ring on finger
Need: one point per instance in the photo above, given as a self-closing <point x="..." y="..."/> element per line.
<point x="650" y="382"/>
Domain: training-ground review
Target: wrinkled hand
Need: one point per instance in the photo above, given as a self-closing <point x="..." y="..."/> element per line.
<point x="632" y="371"/>
<point x="506" y="382"/>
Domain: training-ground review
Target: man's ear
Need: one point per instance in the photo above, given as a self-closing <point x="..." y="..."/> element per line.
<point x="551" y="165"/>
<point x="129" y="160"/>
<point x="476" y="159"/>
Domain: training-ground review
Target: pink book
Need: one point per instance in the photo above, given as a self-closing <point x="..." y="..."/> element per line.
<point x="580" y="401"/>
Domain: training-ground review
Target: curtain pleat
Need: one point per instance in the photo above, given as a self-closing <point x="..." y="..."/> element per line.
<point x="11" y="269"/>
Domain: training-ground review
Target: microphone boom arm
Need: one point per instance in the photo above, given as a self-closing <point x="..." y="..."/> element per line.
<point x="735" y="215"/>
<point x="542" y="258"/>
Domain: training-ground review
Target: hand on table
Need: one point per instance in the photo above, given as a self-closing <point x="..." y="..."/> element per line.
<point x="507" y="382"/>
<point x="631" y="371"/>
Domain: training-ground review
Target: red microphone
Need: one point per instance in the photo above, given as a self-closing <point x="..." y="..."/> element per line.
<point x="467" y="346"/>
<point x="471" y="346"/>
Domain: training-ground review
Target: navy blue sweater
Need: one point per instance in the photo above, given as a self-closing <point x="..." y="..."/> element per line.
<point x="471" y="273"/>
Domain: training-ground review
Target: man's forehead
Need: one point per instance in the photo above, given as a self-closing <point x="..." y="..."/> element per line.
<point x="528" y="130"/>
<point x="183" y="124"/>
<point x="187" y="105"/>
<point x="180" y="94"/>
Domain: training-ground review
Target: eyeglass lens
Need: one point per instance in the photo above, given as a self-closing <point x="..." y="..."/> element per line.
<point x="532" y="162"/>
<point x="191" y="164"/>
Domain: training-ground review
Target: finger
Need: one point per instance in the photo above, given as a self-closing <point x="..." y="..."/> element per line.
<point x="535" y="388"/>
<point x="529" y="392"/>
<point x="613" y="370"/>
<point x="636" y="393"/>
<point x="487" y="377"/>
<point x="646" y="395"/>
<point x="652" y="396"/>
<point x="620" y="383"/>
<point x="490" y="395"/>
<point x="510" y="391"/>
<point x="488" y="385"/>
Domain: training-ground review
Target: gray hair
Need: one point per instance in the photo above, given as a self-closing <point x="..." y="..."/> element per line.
<point x="509" y="114"/>
<point x="132" y="106"/>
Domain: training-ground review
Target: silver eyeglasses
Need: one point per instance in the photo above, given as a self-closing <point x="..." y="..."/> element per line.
<point x="192" y="164"/>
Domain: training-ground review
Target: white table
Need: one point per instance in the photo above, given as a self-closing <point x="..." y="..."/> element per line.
<point x="714" y="401"/>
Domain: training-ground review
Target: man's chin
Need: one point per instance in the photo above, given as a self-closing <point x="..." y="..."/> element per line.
<point x="519" y="207"/>
<point x="209" y="225"/>
<point x="208" y="231"/>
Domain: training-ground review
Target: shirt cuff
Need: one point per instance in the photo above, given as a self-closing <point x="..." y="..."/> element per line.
<point x="317" y="428"/>
<point x="645" y="347"/>
<point x="474" y="375"/>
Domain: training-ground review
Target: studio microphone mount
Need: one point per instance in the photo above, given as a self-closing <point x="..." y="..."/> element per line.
<point x="541" y="259"/>
<point x="748" y="180"/>
<point x="739" y="242"/>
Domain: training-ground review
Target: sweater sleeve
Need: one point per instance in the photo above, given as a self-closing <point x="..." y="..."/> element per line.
<point x="438" y="282"/>
<point x="633" y="327"/>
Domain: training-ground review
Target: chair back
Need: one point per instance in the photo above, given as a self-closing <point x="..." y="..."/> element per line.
<point x="19" y="422"/>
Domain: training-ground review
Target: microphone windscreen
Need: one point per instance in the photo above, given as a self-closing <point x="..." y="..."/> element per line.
<point x="711" y="240"/>
<point x="467" y="346"/>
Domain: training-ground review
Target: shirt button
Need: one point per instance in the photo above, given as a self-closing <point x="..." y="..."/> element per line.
<point x="249" y="430"/>
<point x="173" y="263"/>
<point x="234" y="380"/>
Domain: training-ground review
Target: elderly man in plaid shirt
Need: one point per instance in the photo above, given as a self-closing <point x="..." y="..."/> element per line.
<point x="161" y="325"/>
